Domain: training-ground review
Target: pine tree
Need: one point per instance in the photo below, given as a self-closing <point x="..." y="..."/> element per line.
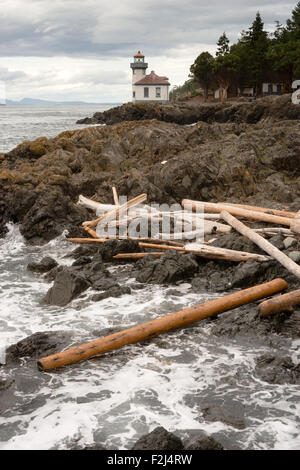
<point x="202" y="71"/>
<point x="294" y="22"/>
<point x="256" y="42"/>
<point x="223" y="45"/>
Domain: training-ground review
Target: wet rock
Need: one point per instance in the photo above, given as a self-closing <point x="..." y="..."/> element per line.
<point x="49" y="216"/>
<point x="245" y="323"/>
<point x="114" y="247"/>
<point x="51" y="275"/>
<point x="84" y="250"/>
<point x="295" y="256"/>
<point x="170" y="268"/>
<point x="277" y="369"/>
<point x="230" y="412"/>
<point x="105" y="284"/>
<point x="235" y="241"/>
<point x="68" y="285"/>
<point x="289" y="242"/>
<point x="82" y="260"/>
<point x="159" y="439"/>
<point x="277" y="241"/>
<point x="203" y="442"/>
<point x="38" y="344"/>
<point x="112" y="292"/>
<point x="249" y="273"/>
<point x="43" y="266"/>
<point x="5" y="384"/>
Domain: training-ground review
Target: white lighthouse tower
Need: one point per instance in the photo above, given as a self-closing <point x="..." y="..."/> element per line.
<point x="139" y="67"/>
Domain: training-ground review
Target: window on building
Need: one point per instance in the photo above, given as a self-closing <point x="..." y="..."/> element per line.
<point x="146" y="92"/>
<point x="133" y="94"/>
<point x="157" y="92"/>
<point x="133" y="70"/>
<point x="144" y="72"/>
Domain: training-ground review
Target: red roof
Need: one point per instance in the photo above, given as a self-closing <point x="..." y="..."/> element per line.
<point x="139" y="54"/>
<point x="153" y="79"/>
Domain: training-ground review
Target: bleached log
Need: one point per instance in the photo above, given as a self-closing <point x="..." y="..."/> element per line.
<point x="281" y="213"/>
<point x="287" y="262"/>
<point x="115" y="195"/>
<point x="89" y="203"/>
<point x="252" y="215"/>
<point x="214" y="249"/>
<point x="284" y="231"/>
<point x="117" y="212"/>
<point x="295" y="227"/>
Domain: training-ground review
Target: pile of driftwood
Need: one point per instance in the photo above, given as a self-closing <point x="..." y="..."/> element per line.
<point x="120" y="216"/>
<point x="134" y="209"/>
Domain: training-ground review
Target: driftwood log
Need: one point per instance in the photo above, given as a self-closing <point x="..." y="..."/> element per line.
<point x="115" y="196"/>
<point x="117" y="212"/>
<point x="287" y="262"/>
<point x="281" y="213"/>
<point x="281" y="303"/>
<point x="162" y="325"/>
<point x="252" y="215"/>
<point x="157" y="254"/>
<point x="295" y="227"/>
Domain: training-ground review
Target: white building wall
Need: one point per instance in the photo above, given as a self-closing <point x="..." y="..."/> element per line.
<point x="265" y="87"/>
<point x="138" y="75"/>
<point x="139" y="93"/>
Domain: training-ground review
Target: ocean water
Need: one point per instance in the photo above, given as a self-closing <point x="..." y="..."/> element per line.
<point x="116" y="398"/>
<point x="28" y="123"/>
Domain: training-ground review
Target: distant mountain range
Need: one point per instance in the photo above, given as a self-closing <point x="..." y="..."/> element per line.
<point x="37" y="102"/>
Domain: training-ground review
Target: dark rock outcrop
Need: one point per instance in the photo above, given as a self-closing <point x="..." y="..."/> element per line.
<point x="68" y="285"/>
<point x="37" y="345"/>
<point x="203" y="442"/>
<point x="170" y="268"/>
<point x="189" y="112"/>
<point x="277" y="369"/>
<point x="159" y="439"/>
<point x="43" y="266"/>
<point x="116" y="291"/>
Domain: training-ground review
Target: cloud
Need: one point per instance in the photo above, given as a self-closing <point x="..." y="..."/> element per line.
<point x="81" y="50"/>
<point x="6" y="74"/>
<point x="106" y="29"/>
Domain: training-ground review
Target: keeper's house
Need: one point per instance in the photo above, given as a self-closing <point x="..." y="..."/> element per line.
<point x="150" y="87"/>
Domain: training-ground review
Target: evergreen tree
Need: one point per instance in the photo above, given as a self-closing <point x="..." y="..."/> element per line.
<point x="202" y="71"/>
<point x="256" y="42"/>
<point x="223" y="45"/>
<point x="294" y="23"/>
<point x="284" y="49"/>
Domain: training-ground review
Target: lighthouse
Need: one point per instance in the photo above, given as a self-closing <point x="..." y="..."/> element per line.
<point x="150" y="87"/>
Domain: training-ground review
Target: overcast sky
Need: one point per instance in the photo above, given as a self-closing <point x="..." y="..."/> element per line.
<point x="81" y="49"/>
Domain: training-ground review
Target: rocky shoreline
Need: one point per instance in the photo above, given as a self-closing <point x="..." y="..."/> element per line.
<point x="246" y="153"/>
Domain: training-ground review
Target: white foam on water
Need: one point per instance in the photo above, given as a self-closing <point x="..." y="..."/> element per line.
<point x="115" y="398"/>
